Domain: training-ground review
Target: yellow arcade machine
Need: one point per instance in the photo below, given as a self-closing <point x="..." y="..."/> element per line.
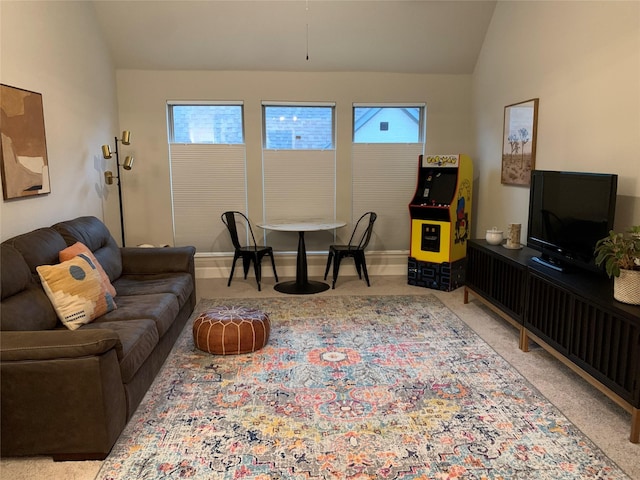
<point x="440" y="221"/>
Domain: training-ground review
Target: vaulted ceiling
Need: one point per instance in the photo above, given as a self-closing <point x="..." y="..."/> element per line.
<point x="437" y="37"/>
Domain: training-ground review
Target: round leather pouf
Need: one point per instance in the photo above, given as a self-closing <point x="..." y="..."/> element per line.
<point x="231" y="330"/>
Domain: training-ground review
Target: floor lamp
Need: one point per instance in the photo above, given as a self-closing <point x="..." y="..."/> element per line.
<point x="109" y="176"/>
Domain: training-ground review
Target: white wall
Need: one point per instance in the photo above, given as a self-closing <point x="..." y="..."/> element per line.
<point x="142" y="97"/>
<point x="582" y="59"/>
<point x="56" y="49"/>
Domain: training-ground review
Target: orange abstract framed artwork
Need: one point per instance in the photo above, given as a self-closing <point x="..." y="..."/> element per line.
<point x="23" y="149"/>
<point x="519" y="142"/>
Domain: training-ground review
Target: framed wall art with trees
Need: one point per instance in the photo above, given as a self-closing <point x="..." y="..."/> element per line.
<point x="519" y="142"/>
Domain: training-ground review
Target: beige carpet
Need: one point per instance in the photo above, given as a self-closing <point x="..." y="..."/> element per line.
<point x="606" y="424"/>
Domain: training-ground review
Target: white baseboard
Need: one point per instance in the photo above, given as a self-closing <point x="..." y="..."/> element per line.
<point x="212" y="265"/>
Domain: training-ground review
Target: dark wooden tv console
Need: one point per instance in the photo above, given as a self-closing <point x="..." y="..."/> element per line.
<point x="571" y="315"/>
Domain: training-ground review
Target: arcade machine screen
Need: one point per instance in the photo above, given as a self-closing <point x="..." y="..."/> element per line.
<point x="440" y="187"/>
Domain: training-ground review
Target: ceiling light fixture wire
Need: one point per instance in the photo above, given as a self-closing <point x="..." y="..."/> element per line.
<point x="307" y="9"/>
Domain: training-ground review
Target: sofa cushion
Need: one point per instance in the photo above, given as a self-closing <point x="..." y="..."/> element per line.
<point x="28" y="310"/>
<point x="39" y="247"/>
<point x="95" y="235"/>
<point x="162" y="308"/>
<point x="24" y="304"/>
<point x="78" y="248"/>
<point x="179" y="284"/>
<point x="16" y="275"/>
<point x="138" y="338"/>
<point x="76" y="291"/>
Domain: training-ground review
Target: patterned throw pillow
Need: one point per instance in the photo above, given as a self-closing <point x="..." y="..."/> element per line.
<point x="76" y="291"/>
<point x="78" y="248"/>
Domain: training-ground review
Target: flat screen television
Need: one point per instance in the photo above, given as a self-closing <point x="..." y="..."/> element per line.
<point x="568" y="213"/>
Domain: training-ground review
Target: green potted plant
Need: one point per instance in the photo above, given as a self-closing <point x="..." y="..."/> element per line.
<point x="620" y="255"/>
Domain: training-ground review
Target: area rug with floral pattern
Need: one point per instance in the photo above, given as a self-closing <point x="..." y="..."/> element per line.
<point x="360" y="387"/>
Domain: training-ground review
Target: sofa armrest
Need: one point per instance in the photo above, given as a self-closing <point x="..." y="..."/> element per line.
<point x="70" y="406"/>
<point x="57" y="344"/>
<point x="158" y="260"/>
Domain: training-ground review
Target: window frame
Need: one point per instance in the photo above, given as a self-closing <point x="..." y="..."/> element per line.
<point x="421" y="106"/>
<point x="203" y="103"/>
<point x="267" y="104"/>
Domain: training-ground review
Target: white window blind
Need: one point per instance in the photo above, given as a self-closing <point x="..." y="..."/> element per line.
<point x="384" y="181"/>
<point x="299" y="185"/>
<point x="206" y="180"/>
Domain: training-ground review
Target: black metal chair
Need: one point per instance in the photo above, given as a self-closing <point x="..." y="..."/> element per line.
<point x="250" y="253"/>
<point x="361" y="232"/>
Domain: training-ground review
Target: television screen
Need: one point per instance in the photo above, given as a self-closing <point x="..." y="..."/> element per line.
<point x="568" y="213"/>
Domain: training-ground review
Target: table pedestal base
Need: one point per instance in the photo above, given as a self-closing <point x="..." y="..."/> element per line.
<point x="301" y="285"/>
<point x="307" y="288"/>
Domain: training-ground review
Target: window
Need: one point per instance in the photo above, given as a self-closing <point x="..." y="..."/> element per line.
<point x="202" y="123"/>
<point x="299" y="169"/>
<point x="298" y="127"/>
<point x="208" y="171"/>
<point x="388" y="124"/>
<point x="387" y="140"/>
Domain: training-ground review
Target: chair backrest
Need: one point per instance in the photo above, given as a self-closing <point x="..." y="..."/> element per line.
<point x="231" y="219"/>
<point x="362" y="231"/>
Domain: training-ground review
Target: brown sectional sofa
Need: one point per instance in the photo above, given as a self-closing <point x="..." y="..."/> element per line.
<point x="69" y="393"/>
